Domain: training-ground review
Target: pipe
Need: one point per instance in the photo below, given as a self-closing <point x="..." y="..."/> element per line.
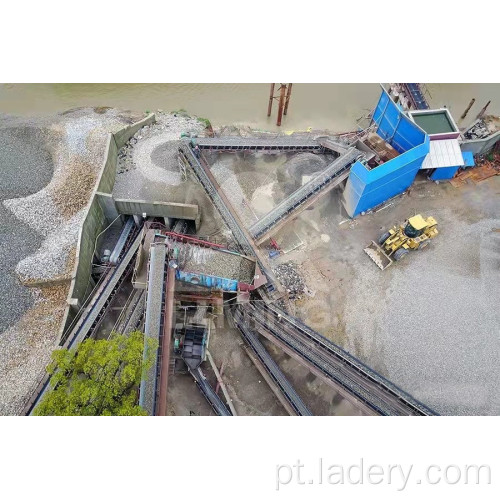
<point x="282" y="102"/>
<point x="165" y="346"/>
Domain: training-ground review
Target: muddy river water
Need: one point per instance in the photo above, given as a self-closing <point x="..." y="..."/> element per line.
<point x="328" y="106"/>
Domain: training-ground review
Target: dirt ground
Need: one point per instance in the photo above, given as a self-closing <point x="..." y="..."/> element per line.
<point x="429" y="323"/>
<point x="255" y="183"/>
<point x="249" y="392"/>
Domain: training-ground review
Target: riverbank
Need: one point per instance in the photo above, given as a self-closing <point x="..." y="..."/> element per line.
<point x="328" y="106"/>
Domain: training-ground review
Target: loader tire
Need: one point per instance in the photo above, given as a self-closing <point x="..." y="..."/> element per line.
<point x="400" y="253"/>
<point x="383" y="238"/>
<point x="423" y="244"/>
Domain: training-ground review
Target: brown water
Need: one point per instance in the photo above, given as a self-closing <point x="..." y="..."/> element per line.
<point x="329" y="106"/>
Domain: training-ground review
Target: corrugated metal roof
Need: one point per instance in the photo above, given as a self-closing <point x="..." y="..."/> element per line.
<point x="444" y="153"/>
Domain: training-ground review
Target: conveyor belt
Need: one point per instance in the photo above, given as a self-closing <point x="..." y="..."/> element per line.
<point x="272" y="368"/>
<point x="132" y="314"/>
<point x="91" y="316"/>
<point x="207" y="180"/>
<point x="349" y="373"/>
<point x="416" y="95"/>
<point x="320" y="184"/>
<point x="85" y="325"/>
<point x="280" y="143"/>
<point x="213" y="399"/>
<point x="122" y="240"/>
<point x="155" y="294"/>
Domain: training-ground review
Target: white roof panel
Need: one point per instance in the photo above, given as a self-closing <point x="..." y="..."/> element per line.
<point x="444" y="153"/>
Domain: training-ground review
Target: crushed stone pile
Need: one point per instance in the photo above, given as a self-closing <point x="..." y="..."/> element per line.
<point x="153" y="149"/>
<point x="43" y="219"/>
<point x="288" y="275"/>
<point x="77" y="141"/>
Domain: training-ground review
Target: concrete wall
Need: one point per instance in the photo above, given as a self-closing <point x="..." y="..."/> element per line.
<point x="481" y="146"/>
<point x="100" y="212"/>
<point x="108" y="172"/>
<point x="157" y="209"/>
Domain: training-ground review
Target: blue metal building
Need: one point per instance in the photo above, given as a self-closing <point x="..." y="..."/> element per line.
<point x="367" y="188"/>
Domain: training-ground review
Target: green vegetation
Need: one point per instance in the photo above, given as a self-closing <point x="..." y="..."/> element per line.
<point x="100" y="377"/>
<point x="205" y="122"/>
<point x="181" y="112"/>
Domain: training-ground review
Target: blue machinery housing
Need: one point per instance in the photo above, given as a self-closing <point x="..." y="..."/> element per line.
<point x="225" y="284"/>
<point x="367" y="188"/>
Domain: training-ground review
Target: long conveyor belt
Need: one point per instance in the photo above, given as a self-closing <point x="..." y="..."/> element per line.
<point x="213" y="399"/>
<point x="272" y="368"/>
<point x="332" y="362"/>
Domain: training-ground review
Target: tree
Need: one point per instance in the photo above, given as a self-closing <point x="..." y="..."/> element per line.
<point x="100" y="377"/>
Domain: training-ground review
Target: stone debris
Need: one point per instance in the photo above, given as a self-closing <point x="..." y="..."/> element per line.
<point x="148" y="167"/>
<point x="153" y="149"/>
<point x="26" y="347"/>
<point x="196" y="259"/>
<point x="51" y="261"/>
<point x="478" y="131"/>
<point x="288" y="275"/>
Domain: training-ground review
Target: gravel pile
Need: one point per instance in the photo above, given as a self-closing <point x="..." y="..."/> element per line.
<point x="229" y="183"/>
<point x="197" y="259"/>
<point x="25" y="167"/>
<point x="52" y="260"/>
<point x="288" y="275"/>
<point x="40" y="223"/>
<point x="153" y="149"/>
<point x="25" y="348"/>
<point x="148" y="170"/>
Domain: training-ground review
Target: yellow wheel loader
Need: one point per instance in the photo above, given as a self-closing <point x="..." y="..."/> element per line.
<point x="414" y="234"/>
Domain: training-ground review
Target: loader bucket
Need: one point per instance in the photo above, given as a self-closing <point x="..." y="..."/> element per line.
<point x="377" y="254"/>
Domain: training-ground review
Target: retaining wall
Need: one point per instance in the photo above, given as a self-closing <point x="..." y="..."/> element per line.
<point x="100" y="213"/>
<point x="157" y="209"/>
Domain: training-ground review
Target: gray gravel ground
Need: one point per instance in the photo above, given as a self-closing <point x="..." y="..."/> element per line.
<point x="48" y="168"/>
<point x="437" y="324"/>
<point x="431" y="322"/>
<point x="25" y="167"/>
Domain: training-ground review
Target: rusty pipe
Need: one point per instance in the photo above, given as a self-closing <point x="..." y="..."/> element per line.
<point x="282" y="102"/>
<point x="165" y="345"/>
<point x="288" y="95"/>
